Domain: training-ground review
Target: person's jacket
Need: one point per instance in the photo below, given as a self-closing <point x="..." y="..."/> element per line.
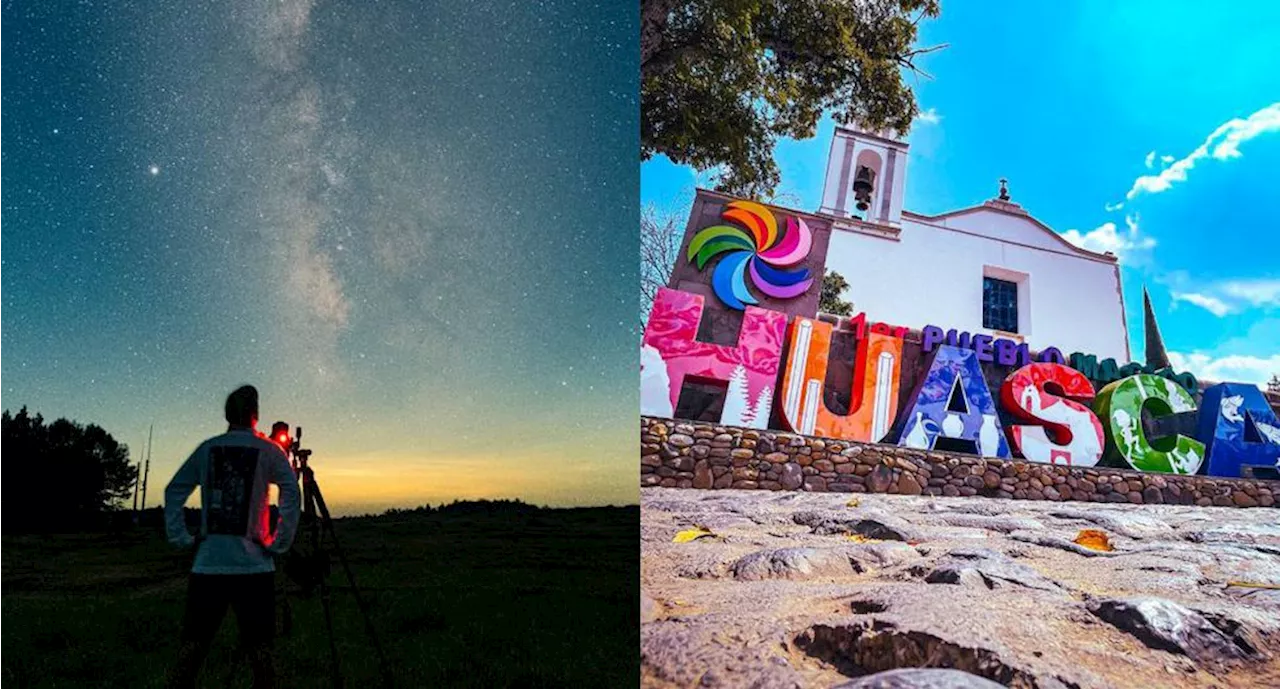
<point x="233" y="471"/>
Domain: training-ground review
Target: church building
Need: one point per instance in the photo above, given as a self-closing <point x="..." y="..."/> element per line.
<point x="991" y="272"/>
<point x="990" y="268"/>
<point x="972" y="330"/>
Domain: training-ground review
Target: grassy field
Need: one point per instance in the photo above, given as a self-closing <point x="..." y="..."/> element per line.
<point x="544" y="598"/>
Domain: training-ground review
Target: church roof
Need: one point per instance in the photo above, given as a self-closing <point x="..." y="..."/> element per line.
<point x="1015" y="210"/>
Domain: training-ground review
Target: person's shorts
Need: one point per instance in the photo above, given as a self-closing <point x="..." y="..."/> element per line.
<point x="252" y="596"/>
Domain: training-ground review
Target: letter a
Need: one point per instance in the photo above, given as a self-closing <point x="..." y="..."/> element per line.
<point x="954" y="376"/>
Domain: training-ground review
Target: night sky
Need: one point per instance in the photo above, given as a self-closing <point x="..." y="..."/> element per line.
<point x="411" y="225"/>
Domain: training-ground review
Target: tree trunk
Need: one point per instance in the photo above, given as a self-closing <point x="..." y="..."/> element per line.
<point x="654" y="15"/>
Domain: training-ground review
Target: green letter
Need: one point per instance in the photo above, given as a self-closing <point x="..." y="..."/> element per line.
<point x="1119" y="406"/>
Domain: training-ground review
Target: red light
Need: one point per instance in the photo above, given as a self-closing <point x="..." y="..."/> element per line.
<point x="282" y="438"/>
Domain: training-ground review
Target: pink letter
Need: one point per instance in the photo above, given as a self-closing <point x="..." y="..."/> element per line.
<point x="670" y="353"/>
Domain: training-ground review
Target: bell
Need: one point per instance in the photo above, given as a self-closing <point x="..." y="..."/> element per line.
<point x="863" y="183"/>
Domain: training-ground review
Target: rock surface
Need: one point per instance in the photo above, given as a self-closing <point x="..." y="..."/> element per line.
<point x="988" y="568"/>
<point x="921" y="679"/>
<point x="817" y="590"/>
<point x="1166" y="625"/>
<point x="792" y="563"/>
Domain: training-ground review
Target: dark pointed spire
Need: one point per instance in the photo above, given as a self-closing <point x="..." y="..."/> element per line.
<point x="1157" y="357"/>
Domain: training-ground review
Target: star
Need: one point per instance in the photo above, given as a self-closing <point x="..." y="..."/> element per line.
<point x="154" y="170"/>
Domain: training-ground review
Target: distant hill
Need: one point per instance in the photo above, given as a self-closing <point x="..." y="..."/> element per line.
<point x="153" y="517"/>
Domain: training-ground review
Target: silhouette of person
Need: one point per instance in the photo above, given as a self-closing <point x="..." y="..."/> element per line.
<point x="280" y="434"/>
<point x="235" y="550"/>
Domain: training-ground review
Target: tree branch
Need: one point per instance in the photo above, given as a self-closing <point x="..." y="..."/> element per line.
<point x="663" y="60"/>
<point x="908" y="59"/>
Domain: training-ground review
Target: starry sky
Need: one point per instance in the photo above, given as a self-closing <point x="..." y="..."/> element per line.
<point x="1146" y="128"/>
<point x="410" y="225"/>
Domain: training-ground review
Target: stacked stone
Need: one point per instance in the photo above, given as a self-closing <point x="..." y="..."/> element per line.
<point x="682" y="454"/>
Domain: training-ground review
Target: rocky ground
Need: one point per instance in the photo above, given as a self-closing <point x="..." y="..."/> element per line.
<point x="821" y="590"/>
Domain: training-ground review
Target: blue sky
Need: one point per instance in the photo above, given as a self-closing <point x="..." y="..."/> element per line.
<point x="1150" y="129"/>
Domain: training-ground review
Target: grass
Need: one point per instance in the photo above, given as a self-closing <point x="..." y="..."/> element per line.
<point x="545" y="598"/>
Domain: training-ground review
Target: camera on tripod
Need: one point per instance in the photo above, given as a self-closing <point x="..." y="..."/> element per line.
<point x="309" y="566"/>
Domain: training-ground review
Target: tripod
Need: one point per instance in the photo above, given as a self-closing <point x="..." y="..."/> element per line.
<point x="317" y="522"/>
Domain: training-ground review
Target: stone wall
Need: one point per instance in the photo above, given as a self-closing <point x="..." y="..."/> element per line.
<point x="686" y="454"/>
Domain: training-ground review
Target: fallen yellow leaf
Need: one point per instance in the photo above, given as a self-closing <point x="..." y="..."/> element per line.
<point x="692" y="535"/>
<point x="1094" y="539"/>
<point x="859" y="538"/>
<point x="852" y="503"/>
<point x="1249" y="585"/>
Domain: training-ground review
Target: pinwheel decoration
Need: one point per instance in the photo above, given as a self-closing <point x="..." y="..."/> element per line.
<point x="761" y="252"/>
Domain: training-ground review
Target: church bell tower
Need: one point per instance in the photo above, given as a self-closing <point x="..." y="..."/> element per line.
<point x="865" y="177"/>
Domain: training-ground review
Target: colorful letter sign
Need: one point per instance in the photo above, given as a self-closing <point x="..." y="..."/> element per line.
<point x="1120" y="405"/>
<point x="1238" y="428"/>
<point x="955" y="376"/>
<point x="873" y="399"/>
<point x="1025" y="395"/>
<point x="670" y="353"/>
<point x="951" y="405"/>
<point x="761" y="254"/>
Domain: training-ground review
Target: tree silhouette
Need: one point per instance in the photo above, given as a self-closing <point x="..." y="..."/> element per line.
<point x="61" y="476"/>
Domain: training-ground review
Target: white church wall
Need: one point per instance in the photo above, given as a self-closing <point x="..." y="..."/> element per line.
<point x="933" y="275"/>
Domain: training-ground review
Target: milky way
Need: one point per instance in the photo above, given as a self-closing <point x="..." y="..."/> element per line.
<point x="413" y="228"/>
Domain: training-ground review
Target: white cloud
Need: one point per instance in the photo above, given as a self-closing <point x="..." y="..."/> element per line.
<point x="1222" y="144"/>
<point x="1106" y="238"/>
<point x="1150" y="161"/>
<point x="1226" y="296"/>
<point x="1213" y="305"/>
<point x="1264" y="292"/>
<point x="1113" y="206"/>
<point x="1228" y="369"/>
<point x="929" y="116"/>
